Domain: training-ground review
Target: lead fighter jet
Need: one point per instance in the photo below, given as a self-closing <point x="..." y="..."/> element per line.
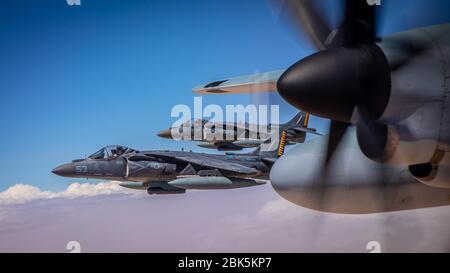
<point x="171" y="172"/>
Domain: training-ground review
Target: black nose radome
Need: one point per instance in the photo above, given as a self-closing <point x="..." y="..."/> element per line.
<point x="64" y="170"/>
<point x="332" y="82"/>
<point x="165" y="133"/>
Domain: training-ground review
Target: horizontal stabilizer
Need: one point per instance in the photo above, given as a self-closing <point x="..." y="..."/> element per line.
<point x="306" y="130"/>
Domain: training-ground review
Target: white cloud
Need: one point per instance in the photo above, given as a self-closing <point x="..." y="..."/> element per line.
<point x="22" y="193"/>
<point x="279" y="208"/>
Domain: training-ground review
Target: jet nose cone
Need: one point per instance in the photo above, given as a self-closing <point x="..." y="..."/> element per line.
<point x="64" y="170"/>
<point x="165" y="134"/>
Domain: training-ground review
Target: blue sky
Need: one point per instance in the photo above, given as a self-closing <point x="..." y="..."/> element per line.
<point x="74" y="79"/>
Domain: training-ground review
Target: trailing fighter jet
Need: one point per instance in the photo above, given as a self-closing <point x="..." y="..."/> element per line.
<point x="389" y="105"/>
<point x="170" y="172"/>
<point x="296" y="130"/>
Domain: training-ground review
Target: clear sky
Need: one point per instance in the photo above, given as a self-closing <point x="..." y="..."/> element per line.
<point x="74" y="79"/>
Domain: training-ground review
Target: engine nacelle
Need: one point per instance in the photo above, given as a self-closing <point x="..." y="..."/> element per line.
<point x="435" y="174"/>
<point x="353" y="184"/>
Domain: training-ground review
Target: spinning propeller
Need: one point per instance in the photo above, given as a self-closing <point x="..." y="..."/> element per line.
<point x="349" y="79"/>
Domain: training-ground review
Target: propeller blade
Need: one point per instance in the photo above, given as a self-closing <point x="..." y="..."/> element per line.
<point x="372" y="135"/>
<point x="304" y="16"/>
<point x="401" y="49"/>
<point x="360" y="18"/>
<point x="358" y="25"/>
<point x="337" y="131"/>
<point x="359" y="10"/>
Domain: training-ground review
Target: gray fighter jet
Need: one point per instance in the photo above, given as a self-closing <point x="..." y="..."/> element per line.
<point x="237" y="136"/>
<point x="170" y="172"/>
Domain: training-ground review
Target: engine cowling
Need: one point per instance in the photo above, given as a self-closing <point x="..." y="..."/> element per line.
<point x="412" y="116"/>
<point x="353" y="184"/>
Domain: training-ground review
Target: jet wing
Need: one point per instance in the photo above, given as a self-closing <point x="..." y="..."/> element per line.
<point x="220" y="145"/>
<point x="226" y="145"/>
<point x="204" y="161"/>
<point x="256" y="83"/>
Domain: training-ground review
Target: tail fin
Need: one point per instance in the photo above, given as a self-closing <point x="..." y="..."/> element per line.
<point x="273" y="148"/>
<point x="301" y="119"/>
<point x="282" y="143"/>
<point x="299" y="125"/>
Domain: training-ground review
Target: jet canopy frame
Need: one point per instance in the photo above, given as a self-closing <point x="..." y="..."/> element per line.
<point x="110" y="152"/>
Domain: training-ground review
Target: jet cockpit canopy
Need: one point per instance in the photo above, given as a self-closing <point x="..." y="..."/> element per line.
<point x="110" y="152"/>
<point x="194" y="123"/>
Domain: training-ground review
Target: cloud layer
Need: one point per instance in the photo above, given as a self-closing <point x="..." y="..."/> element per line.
<point x="21" y="193"/>
<point x="105" y="218"/>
